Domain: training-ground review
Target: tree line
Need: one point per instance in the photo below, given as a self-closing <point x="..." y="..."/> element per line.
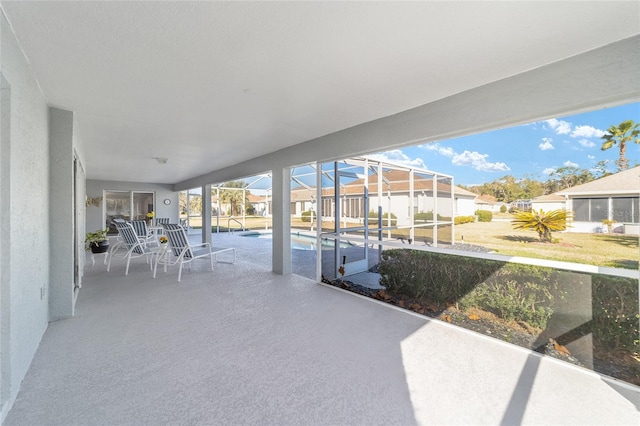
<point x="509" y="188"/>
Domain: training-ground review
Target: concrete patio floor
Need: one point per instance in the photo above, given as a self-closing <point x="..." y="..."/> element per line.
<point x="242" y="345"/>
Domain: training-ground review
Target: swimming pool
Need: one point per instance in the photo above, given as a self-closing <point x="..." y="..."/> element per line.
<point x="299" y="241"/>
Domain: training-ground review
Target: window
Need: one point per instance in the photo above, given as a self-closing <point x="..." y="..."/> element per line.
<point x="626" y="210"/>
<point x="581" y="209"/>
<point x="128" y="205"/>
<point x="599" y="209"/>
<point x="590" y="209"/>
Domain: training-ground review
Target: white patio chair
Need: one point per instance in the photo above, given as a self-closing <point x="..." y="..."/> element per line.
<point x="145" y="236"/>
<point x="135" y="248"/>
<point x="186" y="253"/>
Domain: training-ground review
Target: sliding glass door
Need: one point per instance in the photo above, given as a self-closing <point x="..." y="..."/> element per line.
<point x="127" y="205"/>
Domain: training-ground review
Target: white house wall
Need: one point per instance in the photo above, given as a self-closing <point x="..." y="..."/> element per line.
<point x="465" y="207"/>
<point x="95" y="189"/>
<point x="548" y="206"/>
<point x="398" y="204"/>
<point x="24" y="217"/>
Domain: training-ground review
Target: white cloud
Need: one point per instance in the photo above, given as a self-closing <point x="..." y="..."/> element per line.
<point x="559" y="126"/>
<point x="467" y="158"/>
<point x="442" y="150"/>
<point x="546" y="144"/>
<point x="548" y="171"/>
<point x="586" y="132"/>
<point x="399" y="157"/>
<point x="586" y="143"/>
<point x="477" y="161"/>
<point x="591" y="157"/>
<point x="570" y="164"/>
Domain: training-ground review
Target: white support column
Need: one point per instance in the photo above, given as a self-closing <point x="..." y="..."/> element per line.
<point x="319" y="221"/>
<point x="412" y="235"/>
<point x="435" y="209"/>
<point x="281" y="198"/>
<point x="206" y="214"/>
<point x="453" y="228"/>
<point x="61" y="209"/>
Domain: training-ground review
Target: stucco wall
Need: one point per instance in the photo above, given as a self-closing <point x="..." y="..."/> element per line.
<point x="25" y="216"/>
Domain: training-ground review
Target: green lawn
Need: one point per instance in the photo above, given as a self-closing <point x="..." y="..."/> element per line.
<point x="612" y="250"/>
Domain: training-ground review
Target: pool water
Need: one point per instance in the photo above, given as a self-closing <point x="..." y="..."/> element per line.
<point x="299" y="241"/>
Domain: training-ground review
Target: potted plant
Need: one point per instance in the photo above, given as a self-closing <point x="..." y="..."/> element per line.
<point x="97" y="241"/>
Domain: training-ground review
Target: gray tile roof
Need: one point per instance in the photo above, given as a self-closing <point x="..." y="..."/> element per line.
<point x="625" y="182"/>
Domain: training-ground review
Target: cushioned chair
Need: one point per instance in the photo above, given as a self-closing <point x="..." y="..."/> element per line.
<point x="186" y="253"/>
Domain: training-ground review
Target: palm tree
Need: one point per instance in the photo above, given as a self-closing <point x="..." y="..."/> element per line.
<point x="232" y="193"/>
<point x="622" y="134"/>
<point x="541" y="222"/>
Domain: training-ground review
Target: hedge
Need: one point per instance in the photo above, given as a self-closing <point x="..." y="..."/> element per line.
<point x="484" y="215"/>
<point x="512" y="291"/>
<point x="459" y="220"/>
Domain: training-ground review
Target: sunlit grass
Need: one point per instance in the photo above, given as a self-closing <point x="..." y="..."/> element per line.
<point x="611" y="250"/>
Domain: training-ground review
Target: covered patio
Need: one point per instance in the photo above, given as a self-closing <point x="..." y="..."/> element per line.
<point x="162" y="97"/>
<point x="243" y="345"/>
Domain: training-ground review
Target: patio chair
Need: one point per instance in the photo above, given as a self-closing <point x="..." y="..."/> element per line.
<point x="146" y="236"/>
<point x="186" y="253"/>
<point x="162" y="220"/>
<point x="115" y="246"/>
<point x="135" y="247"/>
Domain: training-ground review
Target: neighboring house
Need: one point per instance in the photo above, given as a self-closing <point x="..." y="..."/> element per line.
<point x="261" y="204"/>
<point x="615" y="197"/>
<point x="549" y="202"/>
<point x="488" y="202"/>
<point x="395" y="198"/>
<point x="522" y="205"/>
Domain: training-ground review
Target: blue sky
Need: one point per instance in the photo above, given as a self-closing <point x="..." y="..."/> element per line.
<point x="532" y="150"/>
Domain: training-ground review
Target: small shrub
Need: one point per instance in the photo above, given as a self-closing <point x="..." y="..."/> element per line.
<point x="484" y="215"/>
<point x="459" y="220"/>
<point x="425" y="216"/>
<point x="541" y="222"/>
<point x="373" y="219"/>
<point x="306" y="216"/>
<point x="503" y="208"/>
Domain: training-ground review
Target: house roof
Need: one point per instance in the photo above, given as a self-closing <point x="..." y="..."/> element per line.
<point x="625" y="182"/>
<point x="398" y="182"/>
<point x="549" y="198"/>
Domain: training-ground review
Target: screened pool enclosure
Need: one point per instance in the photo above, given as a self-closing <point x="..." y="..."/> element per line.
<point x="361" y="205"/>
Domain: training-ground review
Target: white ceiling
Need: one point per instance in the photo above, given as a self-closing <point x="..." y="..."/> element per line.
<point x="211" y="84"/>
